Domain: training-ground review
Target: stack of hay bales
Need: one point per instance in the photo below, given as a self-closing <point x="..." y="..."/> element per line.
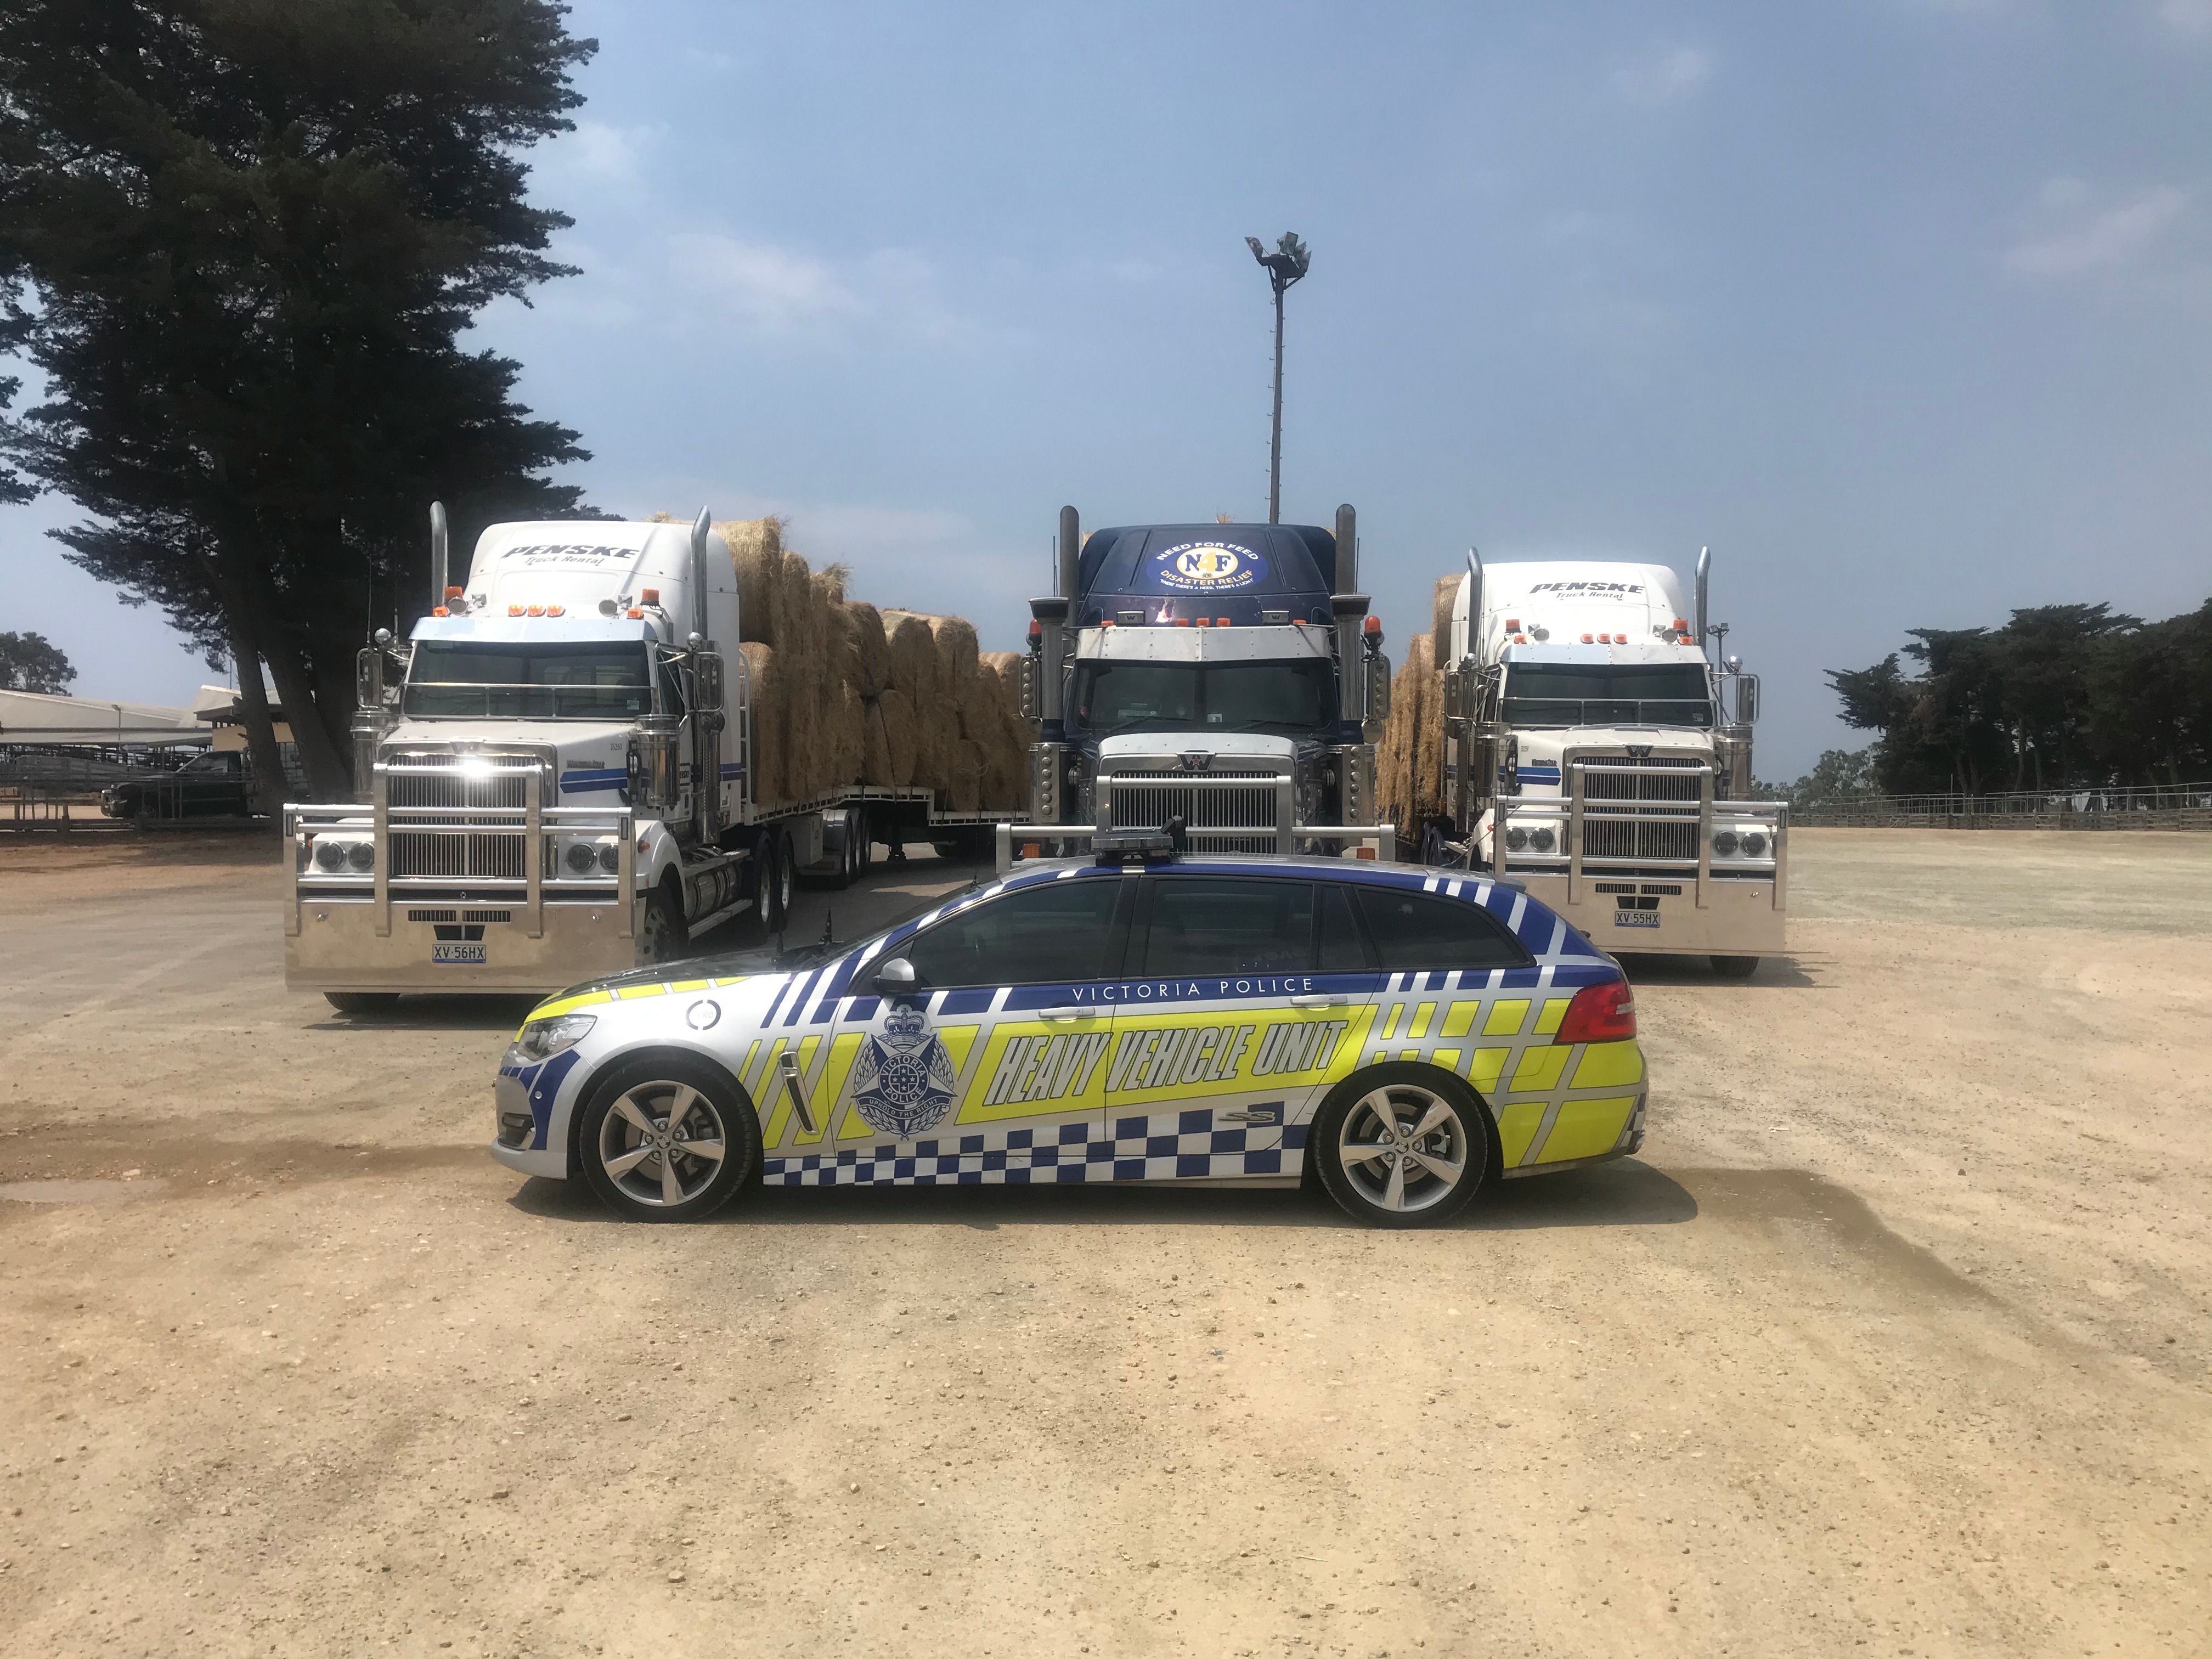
<point x="1409" y="759"/>
<point x="845" y="694"/>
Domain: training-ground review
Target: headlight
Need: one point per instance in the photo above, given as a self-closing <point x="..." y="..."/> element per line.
<point x="1517" y="838"/>
<point x="1755" y="843"/>
<point x="1541" y="839"/>
<point x="329" y="855"/>
<point x="361" y="854"/>
<point x="1724" y="841"/>
<point x="580" y="857"/>
<point x="610" y="855"/>
<point x="542" y="1039"/>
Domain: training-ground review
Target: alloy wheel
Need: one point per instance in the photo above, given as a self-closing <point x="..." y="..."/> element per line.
<point x="1402" y="1148"/>
<point x="662" y="1144"/>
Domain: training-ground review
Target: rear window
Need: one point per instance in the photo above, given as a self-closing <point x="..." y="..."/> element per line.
<point x="1414" y="931"/>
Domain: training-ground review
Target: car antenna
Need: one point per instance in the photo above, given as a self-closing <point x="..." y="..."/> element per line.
<point x="828" y="925"/>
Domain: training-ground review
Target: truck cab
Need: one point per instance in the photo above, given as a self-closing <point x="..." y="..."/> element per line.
<point x="1224" y="675"/>
<point x="1597" y="754"/>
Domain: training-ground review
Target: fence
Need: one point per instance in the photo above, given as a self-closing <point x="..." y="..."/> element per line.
<point x="2161" y="807"/>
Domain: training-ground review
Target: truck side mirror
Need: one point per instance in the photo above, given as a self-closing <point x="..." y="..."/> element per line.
<point x="706" y="674"/>
<point x="1746" y="699"/>
<point x="1457" y="687"/>
<point x="1378" y="687"/>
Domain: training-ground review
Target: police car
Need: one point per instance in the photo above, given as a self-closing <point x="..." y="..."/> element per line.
<point x="1141" y="1016"/>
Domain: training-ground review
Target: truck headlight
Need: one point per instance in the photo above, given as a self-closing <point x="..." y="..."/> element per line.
<point x="329" y="855"/>
<point x="1755" y="843"/>
<point x="1542" y="838"/>
<point x="1517" y="838"/>
<point x="581" y="858"/>
<point x="609" y="856"/>
<point x="361" y="854"/>
<point x="542" y="1039"/>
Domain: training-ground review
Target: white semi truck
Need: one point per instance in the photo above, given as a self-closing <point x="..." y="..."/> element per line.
<point x="1223" y="677"/>
<point x="556" y="775"/>
<point x="1597" y="752"/>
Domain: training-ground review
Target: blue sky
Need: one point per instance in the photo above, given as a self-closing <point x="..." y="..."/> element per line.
<point x="1904" y="307"/>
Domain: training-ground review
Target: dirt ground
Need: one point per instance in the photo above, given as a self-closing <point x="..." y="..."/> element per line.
<point x="1894" y="1340"/>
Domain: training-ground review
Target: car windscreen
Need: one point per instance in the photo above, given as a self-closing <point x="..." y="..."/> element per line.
<point x="1606" y="694"/>
<point x="459" y="678"/>
<point x="1289" y="698"/>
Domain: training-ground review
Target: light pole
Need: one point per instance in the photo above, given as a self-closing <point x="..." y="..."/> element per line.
<point x="1284" y="266"/>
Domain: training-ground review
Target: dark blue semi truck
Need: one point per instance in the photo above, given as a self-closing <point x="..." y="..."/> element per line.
<point x="1227" y="675"/>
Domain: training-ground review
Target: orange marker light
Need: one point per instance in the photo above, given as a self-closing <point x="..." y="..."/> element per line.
<point x="651" y="596"/>
<point x="1681" y="624"/>
<point x="1586" y="639"/>
<point x="537" y="610"/>
<point x="1372" y="625"/>
<point x="514" y="610"/>
<point x="635" y="614"/>
<point x="555" y="610"/>
<point x="439" y="610"/>
<point x="1221" y="622"/>
<point x="1203" y="622"/>
<point x="1513" y="624"/>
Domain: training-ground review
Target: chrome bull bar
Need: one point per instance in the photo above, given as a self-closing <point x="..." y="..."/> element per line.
<point x="1579" y="814"/>
<point x="499" y="828"/>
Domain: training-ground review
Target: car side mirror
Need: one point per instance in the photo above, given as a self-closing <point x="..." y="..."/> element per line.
<point x="895" y="977"/>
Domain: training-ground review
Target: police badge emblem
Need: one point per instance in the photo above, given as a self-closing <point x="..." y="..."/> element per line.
<point x="903" y="1080"/>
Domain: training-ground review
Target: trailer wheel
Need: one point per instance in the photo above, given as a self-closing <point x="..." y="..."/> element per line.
<point x="1735" y="967"/>
<point x="1432" y="845"/>
<point x="867" y="831"/>
<point x="360" y="1004"/>
<point x="848" y="853"/>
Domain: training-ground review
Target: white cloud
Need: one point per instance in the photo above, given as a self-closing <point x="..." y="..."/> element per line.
<point x="2189" y="18"/>
<point x="1666" y="76"/>
<point x="774" y="290"/>
<point x="2076" y="230"/>
<point x="601" y="150"/>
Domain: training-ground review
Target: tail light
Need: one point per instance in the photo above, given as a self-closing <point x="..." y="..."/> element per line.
<point x="1600" y="1013"/>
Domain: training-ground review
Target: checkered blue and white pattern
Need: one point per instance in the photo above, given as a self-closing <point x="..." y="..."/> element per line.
<point x="1176" y="1145"/>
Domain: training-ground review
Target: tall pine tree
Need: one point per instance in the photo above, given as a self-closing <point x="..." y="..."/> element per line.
<point x="240" y="239"/>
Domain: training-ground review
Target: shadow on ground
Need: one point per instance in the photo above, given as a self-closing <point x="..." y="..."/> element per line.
<point x="1789" y="972"/>
<point x="1627" y="1193"/>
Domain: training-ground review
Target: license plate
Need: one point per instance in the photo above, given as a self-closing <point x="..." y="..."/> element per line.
<point x="1636" y="918"/>
<point x="443" y="956"/>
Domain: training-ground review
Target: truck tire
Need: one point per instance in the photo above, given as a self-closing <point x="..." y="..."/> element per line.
<point x="774" y="879"/>
<point x="665" y="937"/>
<point x="867" y="860"/>
<point x="1735" y="967"/>
<point x="363" y="1005"/>
<point x="849" y="854"/>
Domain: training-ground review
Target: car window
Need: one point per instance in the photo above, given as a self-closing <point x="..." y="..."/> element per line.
<point x="1343" y="946"/>
<point x="1418" y="930"/>
<point x="1054" y="932"/>
<point x="1228" y="925"/>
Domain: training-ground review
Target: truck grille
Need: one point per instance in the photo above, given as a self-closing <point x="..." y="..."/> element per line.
<point x="1221" y="816"/>
<point x="1671" y="830"/>
<point x="455" y="846"/>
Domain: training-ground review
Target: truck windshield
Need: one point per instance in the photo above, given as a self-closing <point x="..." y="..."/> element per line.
<point x="457" y="680"/>
<point x="1606" y="694"/>
<point x="1290" y="697"/>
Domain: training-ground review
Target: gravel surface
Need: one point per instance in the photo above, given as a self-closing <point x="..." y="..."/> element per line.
<point x="1894" y="1340"/>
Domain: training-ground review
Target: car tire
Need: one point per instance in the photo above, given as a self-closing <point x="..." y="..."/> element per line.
<point x="637" y="1120"/>
<point x="1401" y="1181"/>
<point x="363" y="1005"/>
<point x="664" y="936"/>
<point x="1735" y="967"/>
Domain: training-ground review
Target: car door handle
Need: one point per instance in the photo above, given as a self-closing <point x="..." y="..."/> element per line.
<point x="1320" y="1002"/>
<point x="1067" y="1013"/>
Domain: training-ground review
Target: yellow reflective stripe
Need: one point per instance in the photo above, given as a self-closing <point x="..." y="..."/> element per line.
<point x="1585" y="1128"/>
<point x="1446" y="1058"/>
<point x="639" y="993"/>
<point x="1459" y="1018"/>
<point x="1555" y="1010"/>
<point x="1409" y="1054"/>
<point x="691" y="985"/>
<point x="1390" y="1026"/>
<point x="1516" y="1127"/>
<point x="1540" y="1067"/>
<point x="1422" y="1016"/>
<point x="1506" y="1017"/>
<point x="568" y="1005"/>
<point x="1483" y="1070"/>
<point x="1608" y="1065"/>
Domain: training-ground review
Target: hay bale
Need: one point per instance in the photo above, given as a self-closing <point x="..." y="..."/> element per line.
<point x="889" y="734"/>
<point x="864" y="655"/>
<point x="756" y="553"/>
<point x="1409" y="757"/>
<point x="1006" y="665"/>
<point x="1440" y="610"/>
<point x="848" y="737"/>
<point x="913" y="652"/>
<point x="770" y="741"/>
<point x="956" y="653"/>
<point x="963" y="778"/>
